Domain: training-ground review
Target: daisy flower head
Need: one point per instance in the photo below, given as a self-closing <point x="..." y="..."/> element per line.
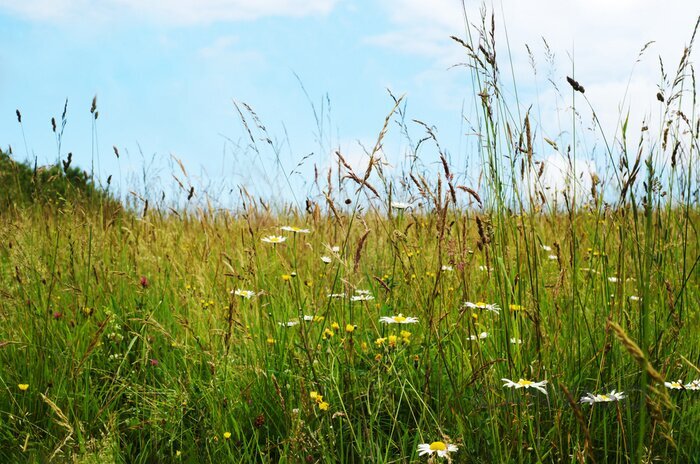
<point x="291" y="323"/>
<point x="522" y="383"/>
<point x="274" y="239"/>
<point x="553" y="258"/>
<point x="362" y="295"/>
<point x="247" y="294"/>
<point x="296" y="230"/>
<point x="400" y="205"/>
<point x="481" y="336"/>
<point x="326" y="259"/>
<point x="677" y="385"/>
<point x="694" y="385"/>
<point x="590" y="398"/>
<point x="400" y="319"/>
<point x="481" y="305"/>
<point x="437" y="447"/>
<point x="447" y="268"/>
<point x="546" y="247"/>
<point x="336" y="295"/>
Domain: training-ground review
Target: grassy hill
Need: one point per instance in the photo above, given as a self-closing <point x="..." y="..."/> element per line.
<point x="23" y="184"/>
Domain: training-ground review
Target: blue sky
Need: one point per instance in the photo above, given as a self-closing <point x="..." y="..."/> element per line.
<point x="166" y="73"/>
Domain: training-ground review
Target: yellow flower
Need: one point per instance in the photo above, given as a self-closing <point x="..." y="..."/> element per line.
<point x="380" y="341"/>
<point x="516" y="307"/>
<point x="270" y="341"/>
<point x="323" y="406"/>
<point x="286" y="277"/>
<point x="23" y="386"/>
<point x="335" y="326"/>
<point x="328" y="333"/>
<point x="349" y="328"/>
<point x="313" y="395"/>
<point x="378" y="357"/>
<point x="392" y="340"/>
<point x="405" y="334"/>
<point x="227" y="435"/>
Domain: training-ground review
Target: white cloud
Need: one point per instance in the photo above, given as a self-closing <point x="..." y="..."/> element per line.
<point x="173" y="12"/>
<point x="603" y="37"/>
<point x="560" y="177"/>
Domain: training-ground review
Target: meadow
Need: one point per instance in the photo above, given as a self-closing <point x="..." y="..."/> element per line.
<point x="472" y="324"/>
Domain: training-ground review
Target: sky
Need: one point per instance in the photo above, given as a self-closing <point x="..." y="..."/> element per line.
<point x="317" y="73"/>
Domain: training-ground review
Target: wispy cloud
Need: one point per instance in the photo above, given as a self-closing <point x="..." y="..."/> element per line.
<point x="601" y="38"/>
<point x="173" y="12"/>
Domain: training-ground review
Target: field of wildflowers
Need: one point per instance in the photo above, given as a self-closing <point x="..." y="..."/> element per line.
<point x="467" y="323"/>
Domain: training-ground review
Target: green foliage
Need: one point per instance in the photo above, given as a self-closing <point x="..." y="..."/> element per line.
<point x="22" y="184"/>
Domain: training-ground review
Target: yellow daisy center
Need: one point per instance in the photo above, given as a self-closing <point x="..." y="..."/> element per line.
<point x="438" y="446"/>
<point x="524" y="382"/>
<point x="400" y="318"/>
<point x="604" y="397"/>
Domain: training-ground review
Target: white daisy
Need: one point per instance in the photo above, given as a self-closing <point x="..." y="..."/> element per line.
<point x="677" y="385"/>
<point x="522" y="383"/>
<point x="326" y="259"/>
<point x="442" y="449"/>
<point x="485" y="268"/>
<point x="336" y="295"/>
<point x="481" y="336"/>
<point x="362" y="297"/>
<point x="553" y="257"/>
<point x="546" y="247"/>
<point x="447" y="268"/>
<point x="291" y="323"/>
<point x="294" y="229"/>
<point x="400" y="319"/>
<point x="247" y="294"/>
<point x="481" y="305"/>
<point x="613" y="279"/>
<point x="635" y="298"/>
<point x="612" y="396"/>
<point x="516" y="341"/>
<point x="694" y="385"/>
<point x="400" y="205"/>
<point x="274" y="239"/>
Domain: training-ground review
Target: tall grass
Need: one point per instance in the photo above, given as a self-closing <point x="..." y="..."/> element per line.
<point x="123" y="338"/>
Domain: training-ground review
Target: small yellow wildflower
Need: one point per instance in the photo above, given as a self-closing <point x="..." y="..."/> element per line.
<point x="286" y="277"/>
<point x="335" y="326"/>
<point x="227" y="435"/>
<point x="349" y="328"/>
<point x="323" y="406"/>
<point x="270" y="341"/>
<point x="380" y="341"/>
<point x="23" y="386"/>
<point x="392" y="340"/>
